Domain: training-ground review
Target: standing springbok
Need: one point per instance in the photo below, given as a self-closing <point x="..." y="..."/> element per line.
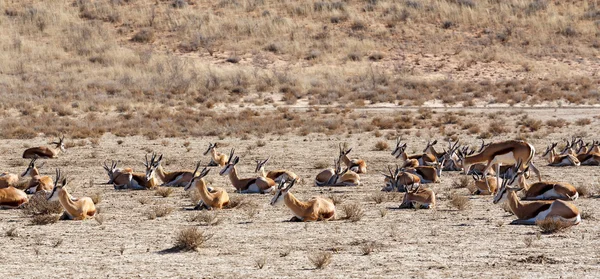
<point x="46" y="152"/>
<point x="37" y="182"/>
<point x="531" y="212"/>
<point x="247" y="185"/>
<point x="399" y="152"/>
<point x="314" y="209"/>
<point x="337" y="177"/>
<point x="543" y="190"/>
<point x="399" y="180"/>
<point x="172" y="179"/>
<point x="209" y="198"/>
<point x="75" y="209"/>
<point x="418" y="198"/>
<point x="276" y="175"/>
<point x="355" y="165"/>
<point x="8" y="179"/>
<point x="556" y="160"/>
<point x="503" y="153"/>
<point x="216" y="158"/>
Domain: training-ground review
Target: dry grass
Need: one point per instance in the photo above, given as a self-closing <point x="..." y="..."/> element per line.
<point x="320" y="259"/>
<point x="381" y="146"/>
<point x="44" y="219"/>
<point x="337" y="199"/>
<point x="462" y="182"/>
<point x="459" y="202"/>
<point x="96" y="197"/>
<point x="12" y="232"/>
<point x="39" y="205"/>
<point x="239" y="201"/>
<point x="550" y="226"/>
<point x="584" y="191"/>
<point x="159" y="211"/>
<point x="164" y="191"/>
<point x="368" y="247"/>
<point x="260" y="262"/>
<point x="190" y="239"/>
<point x="353" y="212"/>
<point x="378" y="198"/>
<point x="320" y="165"/>
<point x="206" y="218"/>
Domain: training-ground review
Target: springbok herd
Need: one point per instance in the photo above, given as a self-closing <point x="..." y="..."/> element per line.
<point x="500" y="169"/>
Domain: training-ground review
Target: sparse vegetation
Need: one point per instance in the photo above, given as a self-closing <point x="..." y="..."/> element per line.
<point x="190" y="239"/>
<point x="353" y="212"/>
<point x="206" y="218"/>
<point x="159" y="211"/>
<point x="381" y="146"/>
<point x="320" y="260"/>
<point x="459" y="202"/>
<point x="462" y="182"/>
<point x="164" y="191"/>
<point x="551" y="225"/>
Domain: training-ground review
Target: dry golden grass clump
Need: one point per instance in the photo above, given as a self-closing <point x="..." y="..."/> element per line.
<point x="381" y="146"/>
<point x="353" y="212"/>
<point x="550" y="225"/>
<point x="39" y="205"/>
<point x="462" y="182"/>
<point x="459" y="202"/>
<point x="164" y="191"/>
<point x="320" y="259"/>
<point x="159" y="211"/>
<point x="206" y="218"/>
<point x="190" y="239"/>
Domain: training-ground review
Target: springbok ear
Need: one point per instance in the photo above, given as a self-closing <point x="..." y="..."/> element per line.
<point x="434" y="142"/>
<point x="64" y="182"/>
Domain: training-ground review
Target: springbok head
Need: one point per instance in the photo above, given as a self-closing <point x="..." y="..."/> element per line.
<point x="282" y="190"/>
<point x="195" y="178"/>
<point x="230" y="163"/>
<point x="57" y="187"/>
<point x="211" y="146"/>
<point x="152" y="165"/>
<point x="32" y="167"/>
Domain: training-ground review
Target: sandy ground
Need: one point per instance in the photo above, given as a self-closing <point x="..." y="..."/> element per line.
<point x="442" y="242"/>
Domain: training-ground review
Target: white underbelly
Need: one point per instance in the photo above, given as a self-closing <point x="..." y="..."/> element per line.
<point x="253" y="188"/>
<point x="505" y="159"/>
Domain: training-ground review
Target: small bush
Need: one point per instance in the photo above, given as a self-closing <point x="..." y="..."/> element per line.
<point x="459" y="202"/>
<point x="12" y="232"/>
<point x="378" y="197"/>
<point x="462" y="182"/>
<point x="551" y="225"/>
<point x="164" y="191"/>
<point x="238" y="202"/>
<point x="337" y="199"/>
<point x="321" y="165"/>
<point x="353" y="212"/>
<point x="206" y="218"/>
<point x="368" y="248"/>
<point x="143" y="36"/>
<point x="583" y="122"/>
<point x="96" y="197"/>
<point x="39" y="205"/>
<point x="44" y="219"/>
<point x="159" y="211"/>
<point x="556" y="123"/>
<point x="584" y="191"/>
<point x="190" y="239"/>
<point x="320" y="260"/>
<point x="381" y="146"/>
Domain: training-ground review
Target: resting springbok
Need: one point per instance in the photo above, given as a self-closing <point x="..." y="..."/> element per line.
<point x="482" y="185"/>
<point x="11" y="197"/>
<point x="8" y="179"/>
<point x="529" y="213"/>
<point x="556" y="160"/>
<point x="246" y="185"/>
<point x="314" y="209"/>
<point x="276" y="175"/>
<point x="45" y="151"/>
<point x="121" y="178"/>
<point x="544" y="190"/>
<point x="337" y="177"/>
<point x="216" y="158"/>
<point x="503" y="153"/>
<point x="37" y="182"/>
<point x="75" y="209"/>
<point x="209" y="198"/>
<point x="428" y="174"/>
<point x="591" y="157"/>
<point x="172" y="179"/>
<point x="399" y="180"/>
<point x="355" y="165"/>
<point x="418" y="198"/>
<point x="399" y="152"/>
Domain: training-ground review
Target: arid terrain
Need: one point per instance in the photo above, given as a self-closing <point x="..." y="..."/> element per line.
<point x="122" y="79"/>
<point x="442" y="242"/>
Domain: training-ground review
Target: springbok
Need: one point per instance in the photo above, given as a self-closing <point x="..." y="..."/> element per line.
<point x="544" y="190"/>
<point x="75" y="209"/>
<point x="531" y="212"/>
<point x="399" y="180"/>
<point x="482" y="185"/>
<point x="592" y="156"/>
<point x="37" y="182"/>
<point x="209" y="198"/>
<point x="172" y="179"/>
<point x="216" y="158"/>
<point x="121" y="178"/>
<point x="8" y="179"/>
<point x="355" y="165"/>
<point x="11" y="197"/>
<point x="314" y="209"/>
<point x="276" y="175"/>
<point x="337" y="177"/>
<point x="46" y="152"/>
<point x="507" y="153"/>
<point x="556" y="160"/>
<point x="418" y="198"/>
<point x="430" y="173"/>
<point x="399" y="152"/>
<point x="247" y="185"/>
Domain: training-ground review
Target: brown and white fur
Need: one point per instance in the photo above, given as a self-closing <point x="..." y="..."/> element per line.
<point x="213" y="198"/>
<point x="11" y="197"/>
<point x="355" y="165"/>
<point x="75" y="209"/>
<point x="428" y="174"/>
<point x="531" y="212"/>
<point x="246" y="185"/>
<point x="276" y="175"/>
<point x="216" y="158"/>
<point x="418" y="198"/>
<point x="337" y="177"/>
<point x="544" y="190"/>
<point x="120" y="178"/>
<point x="8" y="179"/>
<point x="482" y="185"/>
<point x="314" y="209"/>
<point x="46" y="152"/>
<point x="38" y="182"/>
<point x="592" y="156"/>
<point x="172" y="179"/>
<point x="139" y="181"/>
<point x="557" y="160"/>
<point x="399" y="152"/>
<point x="399" y="180"/>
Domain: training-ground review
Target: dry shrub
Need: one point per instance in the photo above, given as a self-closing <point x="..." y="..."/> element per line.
<point x="583" y="122"/>
<point x="586" y="215"/>
<point x="368" y="247"/>
<point x="337" y="199"/>
<point x="320" y="259"/>
<point x="497" y="128"/>
<point x="100" y="219"/>
<point x="378" y="198"/>
<point x="39" y="205"/>
<point x="353" y="212"/>
<point x="44" y="219"/>
<point x="528" y="241"/>
<point x="145" y="200"/>
<point x="584" y="191"/>
<point x="159" y="211"/>
<point x="557" y="123"/>
<point x="551" y="225"/>
<point x="531" y="124"/>
<point x="206" y="218"/>
<point x="462" y="182"/>
<point x="238" y="202"/>
<point x="143" y="36"/>
<point x="96" y="197"/>
<point x="190" y="239"/>
<point x="381" y="146"/>
<point x="459" y="202"/>
<point x="251" y="211"/>
<point x="383" y="212"/>
<point x="320" y="165"/>
<point x="163" y="191"/>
